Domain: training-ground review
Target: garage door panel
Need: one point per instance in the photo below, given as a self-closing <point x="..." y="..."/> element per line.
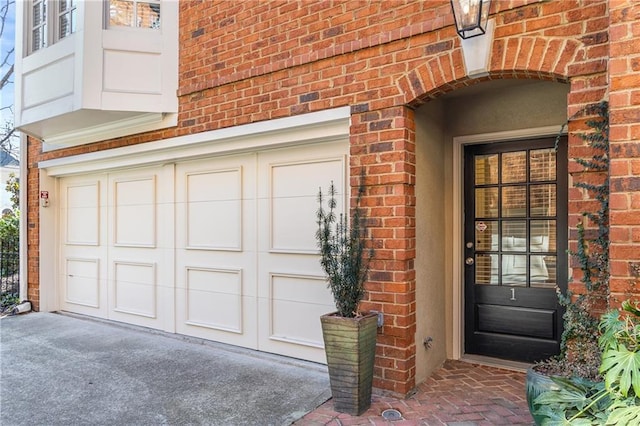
<point x="214" y="299"/>
<point x="135" y="212"/>
<point x="83" y="282"/>
<point x="214" y="209"/>
<point x="293" y="198"/>
<point x="304" y="298"/>
<point x="82" y="273"/>
<point x="82" y="214"/>
<point x="140" y="247"/>
<point x="291" y="287"/>
<point x="215" y="250"/>
<point x="135" y="288"/>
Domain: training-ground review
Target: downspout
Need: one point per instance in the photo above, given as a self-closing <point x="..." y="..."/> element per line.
<point x="22" y="205"/>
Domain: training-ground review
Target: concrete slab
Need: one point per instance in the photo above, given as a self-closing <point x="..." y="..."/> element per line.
<point x="67" y="370"/>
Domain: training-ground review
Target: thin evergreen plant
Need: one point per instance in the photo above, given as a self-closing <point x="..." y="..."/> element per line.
<point x="344" y="255"/>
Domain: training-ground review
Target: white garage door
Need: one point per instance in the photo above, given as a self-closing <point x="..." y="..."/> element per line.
<point x="220" y="248"/>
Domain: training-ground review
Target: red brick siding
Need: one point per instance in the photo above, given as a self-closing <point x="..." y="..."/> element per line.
<point x="624" y="92"/>
<point x="243" y="62"/>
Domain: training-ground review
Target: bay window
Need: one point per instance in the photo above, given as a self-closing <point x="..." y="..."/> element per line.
<point x="51" y="21"/>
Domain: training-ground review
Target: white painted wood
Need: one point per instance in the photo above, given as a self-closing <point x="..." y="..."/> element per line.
<point x="214" y="209"/>
<point x="313" y="128"/>
<point x="82" y="286"/>
<point x="140" y="277"/>
<point x="297" y="302"/>
<point x="214" y="299"/>
<point x="135" y="288"/>
<point x="82" y="270"/>
<point x="216" y="249"/>
<point x="220" y="248"/>
<point x="292" y="293"/>
<point x="135" y="211"/>
<point x="102" y="78"/>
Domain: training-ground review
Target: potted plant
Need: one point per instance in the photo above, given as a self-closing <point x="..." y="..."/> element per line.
<point x="613" y="401"/>
<point x="580" y="355"/>
<point x="349" y="335"/>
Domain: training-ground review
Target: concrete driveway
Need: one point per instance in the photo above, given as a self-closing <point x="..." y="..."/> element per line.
<point x="67" y="370"/>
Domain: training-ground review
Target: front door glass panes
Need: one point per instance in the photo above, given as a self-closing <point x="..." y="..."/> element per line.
<point x="515" y="218"/>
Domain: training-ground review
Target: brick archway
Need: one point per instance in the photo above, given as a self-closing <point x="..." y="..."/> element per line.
<point x="541" y="58"/>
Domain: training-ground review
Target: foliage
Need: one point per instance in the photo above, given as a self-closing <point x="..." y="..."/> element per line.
<point x="13" y="188"/>
<point x="579" y="351"/>
<point x="10" y="226"/>
<point x="8" y="301"/>
<point x="614" y="401"/>
<point x="10" y="223"/>
<point x="343" y="255"/>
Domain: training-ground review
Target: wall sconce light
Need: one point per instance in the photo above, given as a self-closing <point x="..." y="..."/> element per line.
<point x="470" y="17"/>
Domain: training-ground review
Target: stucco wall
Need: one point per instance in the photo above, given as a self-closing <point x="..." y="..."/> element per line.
<point x="431" y="238"/>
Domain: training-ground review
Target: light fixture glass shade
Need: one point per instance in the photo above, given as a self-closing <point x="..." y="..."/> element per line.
<point x="470" y="16"/>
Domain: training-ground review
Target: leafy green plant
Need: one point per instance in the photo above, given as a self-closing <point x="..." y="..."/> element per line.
<point x="615" y="401"/>
<point x="343" y="253"/>
<point x="579" y="351"/>
<point x="8" y="301"/>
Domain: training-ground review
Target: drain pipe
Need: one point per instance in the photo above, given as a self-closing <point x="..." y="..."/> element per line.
<point x="21" y="308"/>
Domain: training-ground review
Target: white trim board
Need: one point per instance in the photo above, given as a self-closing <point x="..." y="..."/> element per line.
<point x="314" y="127"/>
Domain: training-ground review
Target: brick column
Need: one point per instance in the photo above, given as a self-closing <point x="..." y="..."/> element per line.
<point x="383" y="143"/>
<point x="31" y="184"/>
<point x="624" y="113"/>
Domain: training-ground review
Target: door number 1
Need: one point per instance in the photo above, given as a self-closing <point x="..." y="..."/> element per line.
<point x="513" y="294"/>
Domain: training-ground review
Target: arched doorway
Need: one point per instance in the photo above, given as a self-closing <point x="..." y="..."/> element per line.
<point x="448" y="316"/>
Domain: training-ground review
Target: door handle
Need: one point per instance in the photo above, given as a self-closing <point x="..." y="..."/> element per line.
<point x="469" y="261"/>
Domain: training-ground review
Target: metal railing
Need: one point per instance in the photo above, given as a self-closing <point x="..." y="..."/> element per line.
<point x="9" y="266"/>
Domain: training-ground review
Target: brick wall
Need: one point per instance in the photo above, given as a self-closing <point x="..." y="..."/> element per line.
<point x="624" y="105"/>
<point x="242" y="62"/>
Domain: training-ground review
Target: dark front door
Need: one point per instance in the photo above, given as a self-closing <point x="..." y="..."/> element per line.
<point x="515" y="248"/>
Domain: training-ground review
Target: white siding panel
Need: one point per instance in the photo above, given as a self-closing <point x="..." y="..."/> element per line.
<point x="135" y="212"/>
<point x="38" y="86"/>
<point x="297" y="302"/>
<point x="83" y="282"/>
<point x="214" y="299"/>
<point x="83" y="214"/>
<point x="294" y="195"/>
<point x="135" y="288"/>
<point x="214" y="204"/>
<point x="133" y="72"/>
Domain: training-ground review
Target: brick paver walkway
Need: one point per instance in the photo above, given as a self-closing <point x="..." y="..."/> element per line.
<point x="458" y="394"/>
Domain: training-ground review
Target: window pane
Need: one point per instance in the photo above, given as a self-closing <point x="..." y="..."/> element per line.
<point x="486" y="202"/>
<point x="148" y="15"/>
<point x="514" y="235"/>
<point x="514" y="201"/>
<point x="486" y="269"/>
<point x="514" y="167"/>
<point x="542" y="164"/>
<point x="487" y="235"/>
<point x="514" y="269"/>
<point x="486" y="167"/>
<point x="67" y="18"/>
<point x="543" y="235"/>
<point x="121" y="13"/>
<point x="543" y="271"/>
<point x="38" y="13"/>
<point x="543" y="200"/>
<point x="38" y="25"/>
